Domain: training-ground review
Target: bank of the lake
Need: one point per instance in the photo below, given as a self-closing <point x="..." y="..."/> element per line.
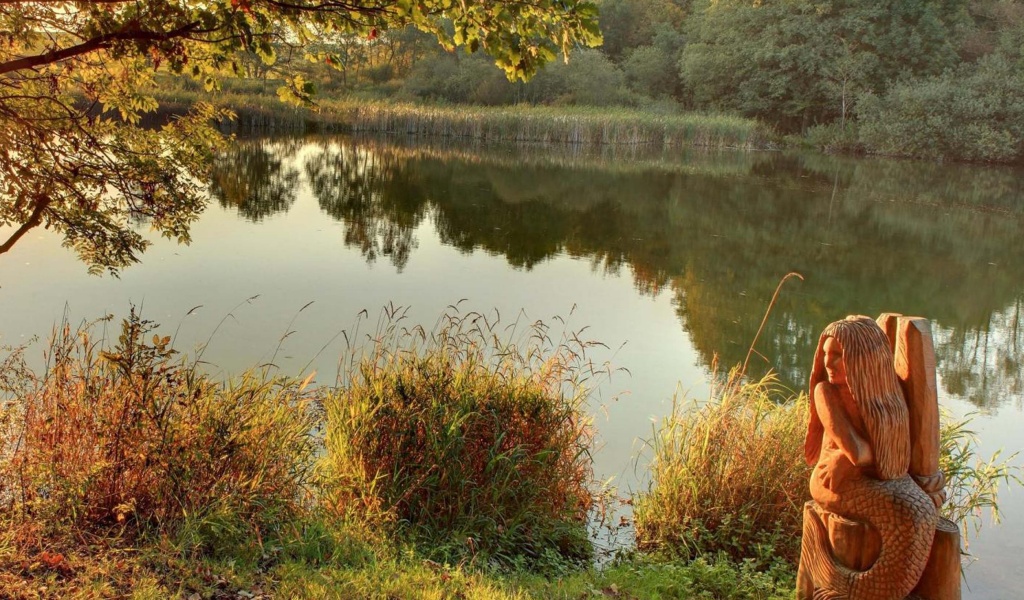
<point x="258" y="112"/>
<point x="571" y="125"/>
<point x="454" y="463"/>
<point x="675" y="252"/>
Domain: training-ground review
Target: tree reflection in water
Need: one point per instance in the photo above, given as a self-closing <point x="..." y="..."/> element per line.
<point x="373" y="194"/>
<point x="253" y="178"/>
<point x="716" y="230"/>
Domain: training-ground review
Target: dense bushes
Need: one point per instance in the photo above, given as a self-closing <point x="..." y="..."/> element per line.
<point x="973" y="113"/>
<point x="793" y="63"/>
<point x="588" y="79"/>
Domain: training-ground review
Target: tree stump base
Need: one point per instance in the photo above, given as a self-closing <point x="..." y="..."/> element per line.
<point x="941" y="577"/>
<point x="856" y="546"/>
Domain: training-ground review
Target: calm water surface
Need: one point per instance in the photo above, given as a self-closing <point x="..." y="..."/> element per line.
<point x="669" y="259"/>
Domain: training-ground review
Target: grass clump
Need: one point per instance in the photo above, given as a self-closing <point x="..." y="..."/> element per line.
<point x="109" y="450"/>
<point x="468" y="445"/>
<point x="728" y="476"/>
<point x="972" y="484"/>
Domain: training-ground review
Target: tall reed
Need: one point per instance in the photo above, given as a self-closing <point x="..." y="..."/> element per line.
<point x="573" y="126"/>
<point x="561" y="125"/>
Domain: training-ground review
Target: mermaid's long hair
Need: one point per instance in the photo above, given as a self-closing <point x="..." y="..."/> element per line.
<point x="876" y="390"/>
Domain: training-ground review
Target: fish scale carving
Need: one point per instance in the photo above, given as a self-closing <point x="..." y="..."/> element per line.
<point x="869" y="529"/>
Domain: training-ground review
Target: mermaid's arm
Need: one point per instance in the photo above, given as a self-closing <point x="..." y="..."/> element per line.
<point x="839" y="427"/>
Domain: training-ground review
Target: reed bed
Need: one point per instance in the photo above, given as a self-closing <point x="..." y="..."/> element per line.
<point x="576" y="126"/>
<point x="254" y="114"/>
<point x="728" y="476"/>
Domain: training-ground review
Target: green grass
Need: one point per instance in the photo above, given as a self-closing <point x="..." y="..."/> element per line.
<point x="375" y="572"/>
<point x="633" y="579"/>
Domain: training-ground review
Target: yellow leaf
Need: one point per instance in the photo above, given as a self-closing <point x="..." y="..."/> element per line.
<point x="307" y="380"/>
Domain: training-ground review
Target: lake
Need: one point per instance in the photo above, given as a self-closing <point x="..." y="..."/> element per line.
<point x="668" y="258"/>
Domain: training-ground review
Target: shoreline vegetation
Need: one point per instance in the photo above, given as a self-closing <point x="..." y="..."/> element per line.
<point x="451" y="463"/>
<point x="938" y="83"/>
<point x="257" y="111"/>
<point x="575" y="126"/>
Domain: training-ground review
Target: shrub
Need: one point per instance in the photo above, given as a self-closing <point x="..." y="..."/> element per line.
<point x="834" y="138"/>
<point x="728" y="476"/>
<point x="593" y="80"/>
<point x="974" y="113"/>
<point x="464" y="443"/>
<point x="460" y="78"/>
<point x="131" y="440"/>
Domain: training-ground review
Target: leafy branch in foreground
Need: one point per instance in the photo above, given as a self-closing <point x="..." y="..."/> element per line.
<point x="72" y="155"/>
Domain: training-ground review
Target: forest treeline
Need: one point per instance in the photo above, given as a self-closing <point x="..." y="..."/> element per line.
<point x="940" y="79"/>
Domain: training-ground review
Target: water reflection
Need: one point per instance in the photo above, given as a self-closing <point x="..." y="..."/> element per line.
<point x="255" y="179"/>
<point x="714" y="230"/>
<point x="372" y="194"/>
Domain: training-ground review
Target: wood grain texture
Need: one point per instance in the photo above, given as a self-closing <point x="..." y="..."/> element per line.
<point x="915" y="367"/>
<point x="868" y="533"/>
<point x="941" y="577"/>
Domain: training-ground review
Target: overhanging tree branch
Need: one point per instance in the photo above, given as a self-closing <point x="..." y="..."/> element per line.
<point x="100" y="42"/>
<point x="33" y="220"/>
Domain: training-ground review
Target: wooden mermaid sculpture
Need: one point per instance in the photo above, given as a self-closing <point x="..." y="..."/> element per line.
<point x="869" y="530"/>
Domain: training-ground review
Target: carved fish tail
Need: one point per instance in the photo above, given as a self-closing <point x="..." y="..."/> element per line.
<point x="831" y="581"/>
<point x="905" y="518"/>
<point x="903" y="515"/>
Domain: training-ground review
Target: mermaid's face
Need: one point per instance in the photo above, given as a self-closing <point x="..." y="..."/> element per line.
<point x="835" y="368"/>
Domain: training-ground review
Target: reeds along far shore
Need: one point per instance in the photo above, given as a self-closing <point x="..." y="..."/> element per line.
<point x="568" y="125"/>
